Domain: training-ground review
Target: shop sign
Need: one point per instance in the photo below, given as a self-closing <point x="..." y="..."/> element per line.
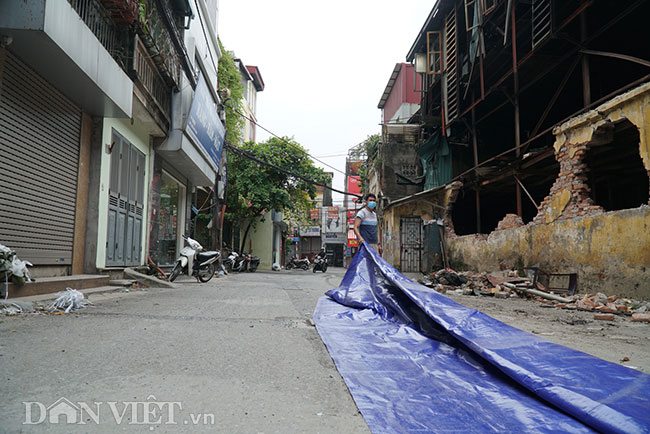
<point x="332" y="220"/>
<point x="351" y="216"/>
<point x="354" y="185"/>
<point x="335" y="238"/>
<point x="310" y="231"/>
<point x="203" y="124"/>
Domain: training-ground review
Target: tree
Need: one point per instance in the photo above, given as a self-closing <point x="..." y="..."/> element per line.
<point x="254" y="188"/>
<point x="230" y="78"/>
<point x="370" y="149"/>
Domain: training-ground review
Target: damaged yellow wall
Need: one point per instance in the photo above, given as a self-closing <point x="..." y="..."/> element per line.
<point x="391" y="227"/>
<point x="633" y="106"/>
<point x="610" y="252"/>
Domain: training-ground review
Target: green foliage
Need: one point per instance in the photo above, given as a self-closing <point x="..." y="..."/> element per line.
<point x="370" y="148"/>
<point x="253" y="188"/>
<point x="230" y="77"/>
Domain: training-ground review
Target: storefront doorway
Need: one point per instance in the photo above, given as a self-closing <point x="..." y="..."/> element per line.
<point x="170" y="219"/>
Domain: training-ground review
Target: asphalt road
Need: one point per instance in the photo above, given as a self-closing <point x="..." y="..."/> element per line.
<point x="236" y="355"/>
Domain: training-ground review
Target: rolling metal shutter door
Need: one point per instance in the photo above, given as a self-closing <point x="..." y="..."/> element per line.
<point x="39" y="154"/>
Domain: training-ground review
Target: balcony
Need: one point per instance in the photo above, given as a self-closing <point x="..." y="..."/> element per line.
<point x="156" y="38"/>
<point x="77" y="47"/>
<point x="147" y="75"/>
<point x="115" y="39"/>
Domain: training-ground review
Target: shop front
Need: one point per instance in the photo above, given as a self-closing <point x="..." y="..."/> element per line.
<point x="170" y="219"/>
<point x="188" y="158"/>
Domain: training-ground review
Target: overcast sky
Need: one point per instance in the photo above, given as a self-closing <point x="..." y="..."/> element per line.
<point x="325" y="65"/>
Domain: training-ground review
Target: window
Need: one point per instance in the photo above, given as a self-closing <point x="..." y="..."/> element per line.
<point x="409" y="170"/>
<point x="473" y="17"/>
<point x="616" y="175"/>
<point x="488" y="6"/>
<point x="434" y="53"/>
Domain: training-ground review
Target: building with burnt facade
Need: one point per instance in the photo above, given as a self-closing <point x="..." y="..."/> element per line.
<point x="534" y="115"/>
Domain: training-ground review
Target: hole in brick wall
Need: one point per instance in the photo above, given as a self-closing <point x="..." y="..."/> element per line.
<point x="498" y="195"/>
<point x="494" y="206"/>
<point x="538" y="176"/>
<point x="616" y="175"/>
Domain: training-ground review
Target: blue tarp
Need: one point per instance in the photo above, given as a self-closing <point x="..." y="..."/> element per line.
<point x="416" y="361"/>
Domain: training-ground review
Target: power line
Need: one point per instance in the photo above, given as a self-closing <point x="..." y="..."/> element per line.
<point x="285" y="141"/>
<point x="245" y="154"/>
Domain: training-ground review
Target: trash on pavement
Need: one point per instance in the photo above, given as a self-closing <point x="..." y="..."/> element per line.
<point x="69" y="300"/>
<point x="12" y="269"/>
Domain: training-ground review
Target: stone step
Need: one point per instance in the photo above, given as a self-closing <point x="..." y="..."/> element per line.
<point x="47" y="285"/>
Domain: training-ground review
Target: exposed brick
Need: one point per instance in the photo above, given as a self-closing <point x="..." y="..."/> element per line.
<point x="641" y="317"/>
<point x="604" y="316"/>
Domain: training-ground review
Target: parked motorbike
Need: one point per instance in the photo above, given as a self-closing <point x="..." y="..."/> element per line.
<point x="320" y="264"/>
<point x="298" y="263"/>
<point x="238" y="262"/>
<point x="243" y="262"/>
<point x="192" y="257"/>
<point x="253" y="263"/>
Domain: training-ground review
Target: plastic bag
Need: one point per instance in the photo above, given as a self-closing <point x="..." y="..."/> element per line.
<point x="69" y="300"/>
<point x="19" y="269"/>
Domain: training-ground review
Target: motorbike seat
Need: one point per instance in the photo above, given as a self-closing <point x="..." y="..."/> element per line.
<point x="204" y="256"/>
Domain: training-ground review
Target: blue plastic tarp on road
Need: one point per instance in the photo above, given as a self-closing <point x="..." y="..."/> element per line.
<point x="416" y="361"/>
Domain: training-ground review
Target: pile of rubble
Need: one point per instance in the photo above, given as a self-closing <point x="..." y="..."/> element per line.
<point x="469" y="283"/>
<point x="509" y="284"/>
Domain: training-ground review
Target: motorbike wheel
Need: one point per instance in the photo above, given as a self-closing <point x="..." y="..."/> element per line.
<point x="289" y="266"/>
<point x="304" y="267"/>
<point x="176" y="271"/>
<point x="206" y="273"/>
<point x="324" y="268"/>
<point x="314" y="269"/>
<point x="252" y="268"/>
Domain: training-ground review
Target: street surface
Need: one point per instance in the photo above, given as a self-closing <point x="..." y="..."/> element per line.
<point x="619" y="341"/>
<point x="236" y="355"/>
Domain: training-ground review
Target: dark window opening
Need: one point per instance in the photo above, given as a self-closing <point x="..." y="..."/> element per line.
<point x="537" y="178"/>
<point x="617" y="177"/>
<point x="494" y="206"/>
<point x="498" y="195"/>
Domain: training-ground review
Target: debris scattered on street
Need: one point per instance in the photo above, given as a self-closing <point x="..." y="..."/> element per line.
<point x="12" y="269"/>
<point x="505" y="284"/>
<point x="69" y="300"/>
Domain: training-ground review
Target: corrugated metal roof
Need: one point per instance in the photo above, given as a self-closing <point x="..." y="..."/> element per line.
<point x="389" y="86"/>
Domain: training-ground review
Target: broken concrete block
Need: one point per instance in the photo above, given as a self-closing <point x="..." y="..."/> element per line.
<point x="501" y="294"/>
<point x="641" y="317"/>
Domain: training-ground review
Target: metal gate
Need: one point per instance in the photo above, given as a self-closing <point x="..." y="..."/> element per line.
<point x="39" y="157"/>
<point x="125" y="204"/>
<point x="410" y="243"/>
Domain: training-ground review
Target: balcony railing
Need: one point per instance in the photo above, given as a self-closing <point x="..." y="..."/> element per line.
<point x="158" y="42"/>
<point x="104" y="28"/>
<point x="147" y="74"/>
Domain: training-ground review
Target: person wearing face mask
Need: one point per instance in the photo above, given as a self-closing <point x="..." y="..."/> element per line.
<point x="365" y="223"/>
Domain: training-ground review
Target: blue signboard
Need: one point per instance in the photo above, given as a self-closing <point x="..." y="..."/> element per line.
<point x="203" y="124"/>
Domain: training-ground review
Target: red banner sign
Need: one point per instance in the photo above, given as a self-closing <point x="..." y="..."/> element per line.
<point x="354" y="184"/>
